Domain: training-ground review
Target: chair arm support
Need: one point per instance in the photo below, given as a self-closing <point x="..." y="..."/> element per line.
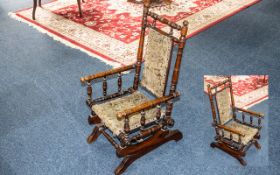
<point x="146" y="105"/>
<point x="106" y="73"/>
<point x="231" y="130"/>
<point x="256" y="114"/>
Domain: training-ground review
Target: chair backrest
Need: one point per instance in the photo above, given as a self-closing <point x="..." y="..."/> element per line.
<point x="158" y="52"/>
<point x="157" y="60"/>
<point x="222" y="101"/>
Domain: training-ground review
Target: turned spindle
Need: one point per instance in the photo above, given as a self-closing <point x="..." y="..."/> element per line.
<point x="119" y="82"/>
<point x="126" y="125"/>
<point x="217" y="130"/>
<point x="104" y="86"/>
<point x="158" y="114"/>
<point x="230" y="137"/>
<point x="243" y="117"/>
<point x="251" y="120"/>
<point x="169" y="121"/>
<point x="239" y="138"/>
<point x="169" y="107"/>
<point x="125" y="141"/>
<point x="89" y="90"/>
<point x="143" y="120"/>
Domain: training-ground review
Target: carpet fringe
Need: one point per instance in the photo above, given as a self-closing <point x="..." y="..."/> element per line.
<point x="67" y="43"/>
<point x="258" y="102"/>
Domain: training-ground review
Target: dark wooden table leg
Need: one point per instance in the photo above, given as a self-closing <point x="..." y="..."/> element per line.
<point x="34" y="9"/>
<point x="40" y="4"/>
<point x="80" y="9"/>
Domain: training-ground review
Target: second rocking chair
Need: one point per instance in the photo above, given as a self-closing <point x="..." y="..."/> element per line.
<point x="234" y="134"/>
<point x="131" y="122"/>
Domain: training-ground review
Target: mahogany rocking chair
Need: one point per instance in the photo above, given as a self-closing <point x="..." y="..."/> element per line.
<point x="234" y="134"/>
<point x="131" y="122"/>
<point x="40" y="5"/>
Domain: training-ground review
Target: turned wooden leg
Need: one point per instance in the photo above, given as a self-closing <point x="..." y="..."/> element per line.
<point x="80" y="9"/>
<point x="34" y="9"/>
<point x="94" y="135"/>
<point x="257" y="145"/>
<point x="125" y="163"/>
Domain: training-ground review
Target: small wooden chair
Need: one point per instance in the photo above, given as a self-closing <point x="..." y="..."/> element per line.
<point x="40" y="5"/>
<point x="133" y="123"/>
<point x="234" y="134"/>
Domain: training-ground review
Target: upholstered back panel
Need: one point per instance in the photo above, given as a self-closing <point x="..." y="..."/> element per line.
<point x="156" y="65"/>
<point x="224" y="105"/>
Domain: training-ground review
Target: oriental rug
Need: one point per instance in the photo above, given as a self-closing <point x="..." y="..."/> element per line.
<point x="110" y="29"/>
<point x="248" y="90"/>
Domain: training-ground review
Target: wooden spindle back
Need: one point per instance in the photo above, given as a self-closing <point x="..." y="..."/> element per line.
<point x="158" y="52"/>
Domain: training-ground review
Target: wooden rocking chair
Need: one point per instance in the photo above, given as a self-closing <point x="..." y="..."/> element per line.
<point x="139" y="124"/>
<point x="234" y="134"/>
<point x="40" y="5"/>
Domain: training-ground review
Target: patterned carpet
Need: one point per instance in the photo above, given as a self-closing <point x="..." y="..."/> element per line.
<point x="110" y="29"/>
<point x="248" y="90"/>
<point x="43" y="115"/>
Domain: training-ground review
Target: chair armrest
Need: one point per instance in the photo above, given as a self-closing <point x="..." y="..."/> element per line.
<point x="256" y="114"/>
<point x="146" y="105"/>
<point x="106" y="73"/>
<point x="231" y="130"/>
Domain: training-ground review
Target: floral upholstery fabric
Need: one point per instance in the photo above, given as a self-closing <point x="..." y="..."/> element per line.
<point x="157" y="56"/>
<point x="107" y="112"/>
<point x="224" y="105"/>
<point x="248" y="131"/>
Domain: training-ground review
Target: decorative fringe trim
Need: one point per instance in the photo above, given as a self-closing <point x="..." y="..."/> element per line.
<point x="67" y="43"/>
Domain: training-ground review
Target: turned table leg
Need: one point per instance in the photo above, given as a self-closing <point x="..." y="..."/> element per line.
<point x="80" y="9"/>
<point x="34" y="9"/>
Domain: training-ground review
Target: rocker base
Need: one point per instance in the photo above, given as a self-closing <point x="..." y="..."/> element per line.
<point x="132" y="153"/>
<point x="234" y="153"/>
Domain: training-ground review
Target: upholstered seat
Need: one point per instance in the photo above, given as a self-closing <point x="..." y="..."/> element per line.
<point x="108" y="112"/>
<point x="249" y="132"/>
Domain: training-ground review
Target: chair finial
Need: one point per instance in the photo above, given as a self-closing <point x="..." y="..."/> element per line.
<point x="184" y="29"/>
<point x="185" y="23"/>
